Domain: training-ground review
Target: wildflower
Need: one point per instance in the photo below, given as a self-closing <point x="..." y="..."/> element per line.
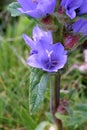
<point x="49" y="59"/>
<point x="37" y="8"/>
<point x="39" y="36"/>
<point x="74" y="7"/>
<point x="44" y="54"/>
<point x="80" y="26"/>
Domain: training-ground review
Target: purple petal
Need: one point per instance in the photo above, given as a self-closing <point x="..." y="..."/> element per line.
<point x="47" y="6"/>
<point x="62" y="61"/>
<point x="83" y="8"/>
<point x="71" y="6"/>
<point x="34" y="61"/>
<point x="33" y="13"/>
<point x="58" y="47"/>
<point x="80" y="26"/>
<point x="37" y="8"/>
<point x="29" y="41"/>
<point x="38" y="34"/>
<point x="27" y="5"/>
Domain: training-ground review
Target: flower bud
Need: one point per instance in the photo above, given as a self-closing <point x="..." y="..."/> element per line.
<point x="62" y="107"/>
<point x="71" y="41"/>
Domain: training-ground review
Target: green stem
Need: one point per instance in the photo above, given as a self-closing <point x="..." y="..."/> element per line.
<point x="55" y="98"/>
<point x="58" y="34"/>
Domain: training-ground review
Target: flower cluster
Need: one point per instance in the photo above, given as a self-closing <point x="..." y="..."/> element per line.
<point x="46" y="54"/>
<point x="75" y="8"/>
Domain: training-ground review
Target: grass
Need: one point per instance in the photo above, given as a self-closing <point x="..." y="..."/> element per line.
<point x="14" y="77"/>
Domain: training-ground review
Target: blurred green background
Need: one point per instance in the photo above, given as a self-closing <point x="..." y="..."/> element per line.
<point x="14" y="80"/>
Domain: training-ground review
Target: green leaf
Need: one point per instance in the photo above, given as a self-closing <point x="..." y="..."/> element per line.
<point x="82" y="39"/>
<point x="13" y="8"/>
<point x="81" y="107"/>
<point x="37" y="88"/>
<point x="83" y="16"/>
<point x="49" y="116"/>
<point x="27" y="120"/>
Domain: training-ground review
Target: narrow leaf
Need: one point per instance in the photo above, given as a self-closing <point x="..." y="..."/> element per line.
<point x="27" y="120"/>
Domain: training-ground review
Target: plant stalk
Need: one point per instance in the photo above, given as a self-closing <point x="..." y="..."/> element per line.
<point x="55" y="98"/>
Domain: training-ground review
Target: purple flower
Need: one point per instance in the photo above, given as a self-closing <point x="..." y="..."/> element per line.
<point x="49" y="59"/>
<point x="82" y="9"/>
<point x="39" y="36"/>
<point x="74" y="7"/>
<point x="80" y="26"/>
<point x="47" y="56"/>
<point x="37" y="8"/>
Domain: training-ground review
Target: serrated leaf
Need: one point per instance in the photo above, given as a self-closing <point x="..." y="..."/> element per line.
<point x="13" y="8"/>
<point x="37" y="88"/>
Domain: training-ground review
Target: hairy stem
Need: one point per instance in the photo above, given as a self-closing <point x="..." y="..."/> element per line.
<point x="55" y="98"/>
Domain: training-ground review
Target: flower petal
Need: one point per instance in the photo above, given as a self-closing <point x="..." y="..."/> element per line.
<point x="38" y="34"/>
<point x="58" y="47"/>
<point x="71" y="6"/>
<point x="29" y="41"/>
<point x="83" y="8"/>
<point x="80" y="26"/>
<point x="46" y="6"/>
<point x="27" y="5"/>
<point x="34" y="61"/>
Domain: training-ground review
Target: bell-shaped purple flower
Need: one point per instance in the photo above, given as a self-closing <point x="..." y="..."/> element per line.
<point x="49" y="59"/>
<point x="45" y="55"/>
<point x="39" y="36"/>
<point x="74" y="7"/>
<point x="80" y="26"/>
<point x="37" y="8"/>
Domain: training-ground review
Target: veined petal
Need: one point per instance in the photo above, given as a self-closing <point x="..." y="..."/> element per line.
<point x="58" y="66"/>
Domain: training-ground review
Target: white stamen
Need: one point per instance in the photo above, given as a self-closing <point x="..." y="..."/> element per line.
<point x="49" y="53"/>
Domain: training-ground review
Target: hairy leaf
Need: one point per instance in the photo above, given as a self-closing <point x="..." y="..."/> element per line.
<point x="37" y="88"/>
